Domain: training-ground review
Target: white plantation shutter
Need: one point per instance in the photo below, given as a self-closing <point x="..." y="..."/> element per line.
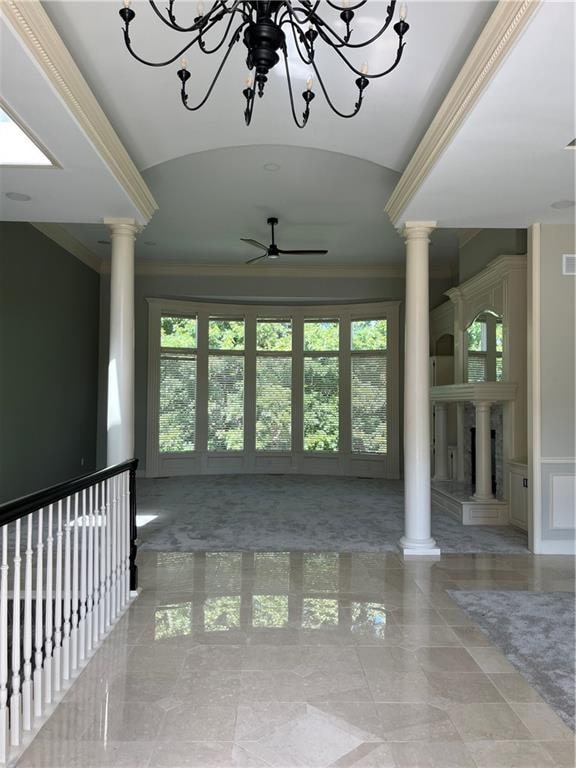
<point x="273" y="403"/>
<point x="369" y="404"/>
<point x="321" y="403"/>
<point x="476" y="366"/>
<point x="177" y="420"/>
<point x="225" y="403"/>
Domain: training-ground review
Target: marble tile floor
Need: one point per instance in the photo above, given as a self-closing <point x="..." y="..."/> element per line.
<point x="307" y="660"/>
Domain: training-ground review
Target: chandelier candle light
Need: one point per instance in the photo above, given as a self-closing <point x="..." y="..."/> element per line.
<point x="262" y="27"/>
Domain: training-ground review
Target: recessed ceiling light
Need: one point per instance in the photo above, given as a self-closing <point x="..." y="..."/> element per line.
<point x="104" y="242"/>
<point x="18" y="196"/>
<point x="150" y="242"/>
<point x="572" y="145"/>
<point x="271" y="167"/>
<point x="561" y="204"/>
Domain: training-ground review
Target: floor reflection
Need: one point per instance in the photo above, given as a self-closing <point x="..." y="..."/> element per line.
<point x="259" y="591"/>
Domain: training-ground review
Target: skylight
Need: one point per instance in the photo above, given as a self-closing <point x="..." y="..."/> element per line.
<point x="16" y="147"/>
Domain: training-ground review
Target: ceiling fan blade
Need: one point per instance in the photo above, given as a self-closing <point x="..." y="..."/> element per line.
<point x="255" y="243"/>
<point x="302" y="253"/>
<point x="257" y="258"/>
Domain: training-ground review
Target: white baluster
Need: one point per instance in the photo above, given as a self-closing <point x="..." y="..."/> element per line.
<point x="66" y="608"/>
<point x="58" y="606"/>
<point x="4" y="648"/>
<point x="75" y="567"/>
<point x="96" y="588"/>
<point x="113" y="531"/>
<point x="15" y="698"/>
<point x="82" y="622"/>
<point x="119" y="579"/>
<point x="108" y="552"/>
<point x="27" y="682"/>
<point x="39" y="635"/>
<point x="127" y="538"/>
<point x="48" y="612"/>
<point x="90" y="572"/>
<point x="103" y="535"/>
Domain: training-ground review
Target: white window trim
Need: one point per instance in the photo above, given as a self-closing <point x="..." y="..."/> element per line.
<point x="298" y="461"/>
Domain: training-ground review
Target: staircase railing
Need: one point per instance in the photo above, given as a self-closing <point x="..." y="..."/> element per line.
<point x="67" y="571"/>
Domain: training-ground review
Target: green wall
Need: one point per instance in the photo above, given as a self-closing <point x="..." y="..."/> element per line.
<point x="49" y="311"/>
<point x="486" y="246"/>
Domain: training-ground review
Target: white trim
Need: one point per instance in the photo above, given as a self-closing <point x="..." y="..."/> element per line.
<point x="496" y="40"/>
<point x="65" y="240"/>
<point x="201" y="461"/>
<point x="535" y="543"/>
<point x="32" y="25"/>
<point x="556" y="547"/>
<point x="487" y="391"/>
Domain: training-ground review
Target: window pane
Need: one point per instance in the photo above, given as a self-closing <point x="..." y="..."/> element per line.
<point x="369" y="334"/>
<point x="319" y="612"/>
<point x="321" y="335"/>
<point x="274" y="335"/>
<point x="172" y="621"/>
<point x="224" y="571"/>
<point x="321" y="404"/>
<point x="477" y="336"/>
<point x="270" y="610"/>
<point x="369" y="404"/>
<point x="177" y="422"/>
<point x="222" y="613"/>
<point x="499" y="336"/>
<point x="225" y="403"/>
<point x="225" y="333"/>
<point x="499" y="369"/>
<point x="476" y="367"/>
<point x="273" y="403"/>
<point x="321" y="572"/>
<point x="178" y="332"/>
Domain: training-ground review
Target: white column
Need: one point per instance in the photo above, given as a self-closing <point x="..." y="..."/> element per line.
<point x="483" y="453"/>
<point x="121" y="356"/>
<point x="441" y="441"/>
<point x="417" y="539"/>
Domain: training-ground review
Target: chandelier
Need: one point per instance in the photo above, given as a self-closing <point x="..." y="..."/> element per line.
<point x="263" y="26"/>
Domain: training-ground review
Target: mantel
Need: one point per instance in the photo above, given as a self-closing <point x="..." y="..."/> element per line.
<point x="485" y="391"/>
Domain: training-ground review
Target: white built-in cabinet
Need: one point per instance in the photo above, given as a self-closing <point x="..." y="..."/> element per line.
<point x="518" y="492"/>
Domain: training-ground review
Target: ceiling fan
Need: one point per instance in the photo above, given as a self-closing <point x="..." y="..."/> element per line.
<point x="272" y="251"/>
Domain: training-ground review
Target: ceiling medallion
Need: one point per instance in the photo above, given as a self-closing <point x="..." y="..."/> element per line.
<point x="262" y="27"/>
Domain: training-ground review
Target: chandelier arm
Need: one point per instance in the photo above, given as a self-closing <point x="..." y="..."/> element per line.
<point x="222" y="41"/>
<point x="329" y="100"/>
<point x="350" y="66"/>
<point x="349" y="7"/>
<point x="183" y="93"/>
<point x="294" y="26"/>
<point x="293" y="11"/>
<point x="321" y="26"/>
<point x="170" y="21"/>
<point x="291" y="95"/>
<point x="168" y="61"/>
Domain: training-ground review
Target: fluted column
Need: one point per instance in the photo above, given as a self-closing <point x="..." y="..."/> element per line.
<point x="120" y="421"/>
<point x="483" y="453"/>
<point x="441" y="441"/>
<point x="417" y="524"/>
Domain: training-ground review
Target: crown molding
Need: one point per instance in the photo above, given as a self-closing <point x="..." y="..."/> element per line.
<point x="496" y="40"/>
<point x="67" y="241"/>
<point x="492" y="274"/>
<point x="33" y="26"/>
<point x="180" y="269"/>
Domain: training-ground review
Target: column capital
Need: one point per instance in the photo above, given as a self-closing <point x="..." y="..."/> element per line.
<point x="417" y="230"/>
<point x="123" y="226"/>
<point x="482" y="405"/>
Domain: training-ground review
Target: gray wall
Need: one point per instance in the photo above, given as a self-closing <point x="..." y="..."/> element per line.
<point x="487" y="245"/>
<point x="232" y="289"/>
<point x="49" y="307"/>
<point x="557" y="334"/>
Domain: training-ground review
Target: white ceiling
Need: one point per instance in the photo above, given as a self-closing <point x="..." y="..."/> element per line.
<point x="144" y="104"/>
<point x="208" y="201"/>
<point x="83" y="187"/>
<point x="508" y="162"/>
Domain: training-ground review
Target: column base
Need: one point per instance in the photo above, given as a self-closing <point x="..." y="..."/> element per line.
<point x="419" y="548"/>
<point x="483" y="497"/>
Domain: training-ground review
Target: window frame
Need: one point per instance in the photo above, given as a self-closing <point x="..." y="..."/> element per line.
<point x="250" y="460"/>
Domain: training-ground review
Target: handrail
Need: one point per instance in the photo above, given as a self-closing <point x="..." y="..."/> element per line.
<point x="17" y="508"/>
